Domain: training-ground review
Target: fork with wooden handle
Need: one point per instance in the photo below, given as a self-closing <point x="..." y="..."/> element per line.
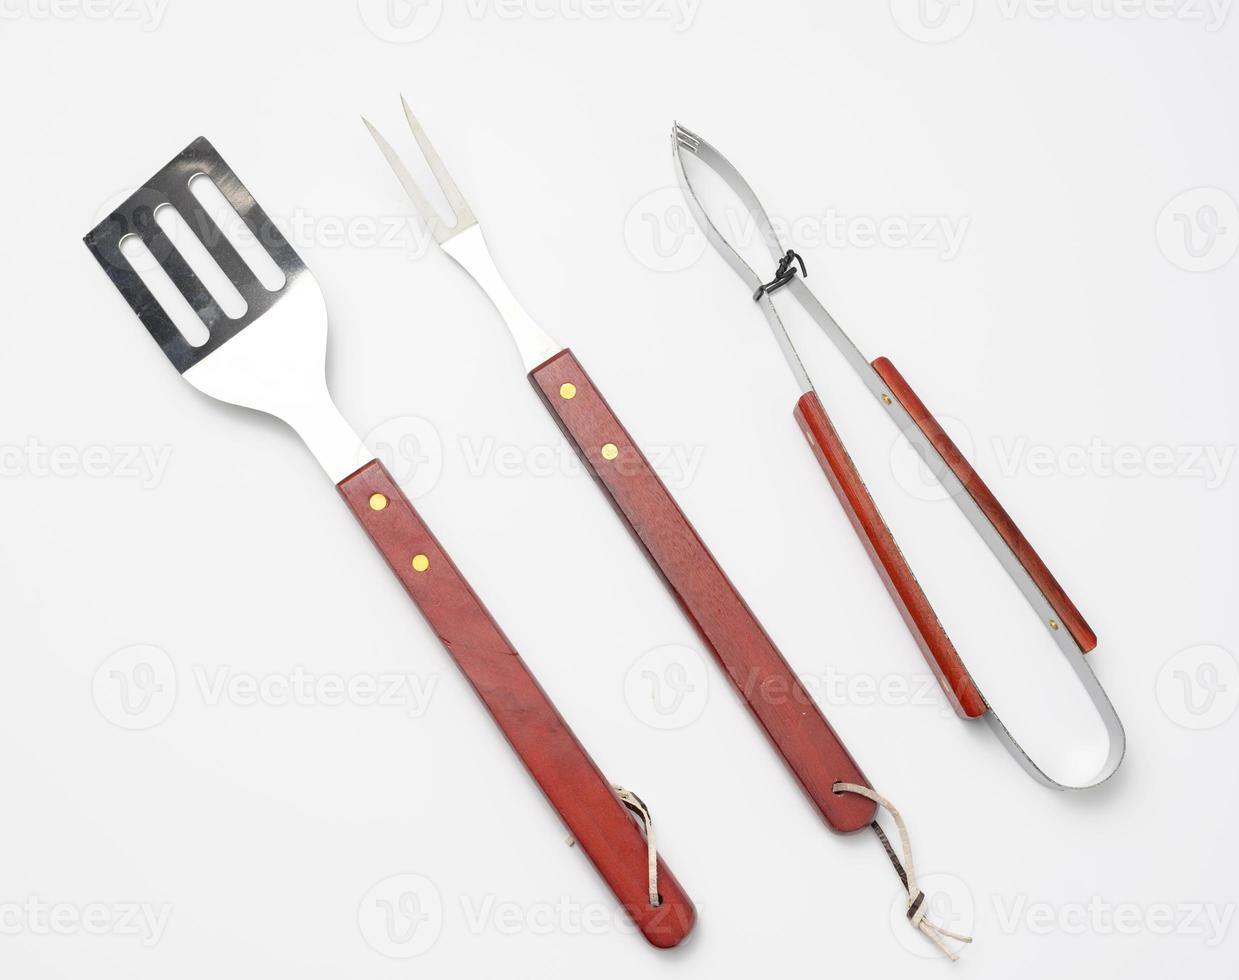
<point x="785" y="711"/>
<point x="782" y="707"/>
<point x="272" y="358"/>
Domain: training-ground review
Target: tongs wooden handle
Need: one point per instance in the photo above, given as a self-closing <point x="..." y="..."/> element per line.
<point x="788" y="715"/>
<point x="605" y="829"/>
<point x="1068" y="615"/>
<point x="888" y="559"/>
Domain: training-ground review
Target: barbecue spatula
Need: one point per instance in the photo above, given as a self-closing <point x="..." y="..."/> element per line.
<point x="272" y="358"/>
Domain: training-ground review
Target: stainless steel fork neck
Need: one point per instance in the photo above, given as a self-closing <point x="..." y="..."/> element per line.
<point x="463" y="241"/>
<point x="469" y="249"/>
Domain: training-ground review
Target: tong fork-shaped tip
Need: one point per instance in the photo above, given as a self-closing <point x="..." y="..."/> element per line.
<point x="462" y="213"/>
<point x="683" y="136"/>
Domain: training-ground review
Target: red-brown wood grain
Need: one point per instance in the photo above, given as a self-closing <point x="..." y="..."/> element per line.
<point x="1068" y="615"/>
<point x="887" y="558"/>
<point x="788" y="715"/>
<point x="605" y="830"/>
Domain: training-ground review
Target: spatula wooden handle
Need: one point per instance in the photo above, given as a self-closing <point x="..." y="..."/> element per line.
<point x="887" y="558"/>
<point x="1068" y="615"/>
<point x="605" y="830"/>
<point x="785" y="711"/>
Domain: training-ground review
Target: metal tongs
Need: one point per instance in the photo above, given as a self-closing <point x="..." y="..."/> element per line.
<point x="940" y="454"/>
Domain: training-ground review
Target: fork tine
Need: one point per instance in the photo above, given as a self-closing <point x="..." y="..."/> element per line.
<point x="429" y="215"/>
<point x="464" y="214"/>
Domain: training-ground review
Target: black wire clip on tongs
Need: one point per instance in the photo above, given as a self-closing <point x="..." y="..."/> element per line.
<point x="1047" y="598"/>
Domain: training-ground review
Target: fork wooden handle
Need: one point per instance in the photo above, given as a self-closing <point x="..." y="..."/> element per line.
<point x="887" y="558"/>
<point x="789" y="716"/>
<point x="1068" y="615"/>
<point x="606" y="831"/>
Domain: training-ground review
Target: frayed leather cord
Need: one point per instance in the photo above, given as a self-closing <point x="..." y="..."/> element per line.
<point x="635" y="804"/>
<point x="906" y="871"/>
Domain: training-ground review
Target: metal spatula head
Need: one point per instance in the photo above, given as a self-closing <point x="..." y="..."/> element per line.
<point x="270" y="357"/>
<point x="136" y="216"/>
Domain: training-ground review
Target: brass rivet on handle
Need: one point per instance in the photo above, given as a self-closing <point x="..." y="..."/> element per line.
<point x="567" y="390"/>
<point x="377" y="501"/>
<point x="1054" y="624"/>
<point x="886" y="398"/>
<point x="609" y="451"/>
<point x="420" y="563"/>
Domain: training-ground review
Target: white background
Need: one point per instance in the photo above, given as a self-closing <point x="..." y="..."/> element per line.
<point x="1081" y="338"/>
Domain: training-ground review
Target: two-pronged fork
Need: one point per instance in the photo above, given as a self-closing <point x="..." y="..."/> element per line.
<point x="271" y="357"/>
<point x="785" y="711"/>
